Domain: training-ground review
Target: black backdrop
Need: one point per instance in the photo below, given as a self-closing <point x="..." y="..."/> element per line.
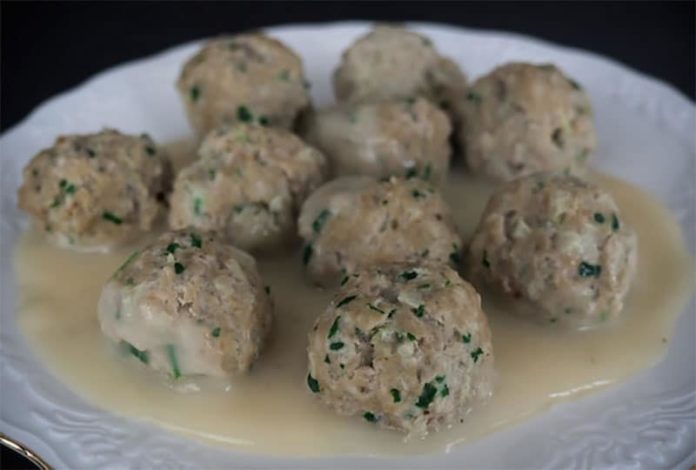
<point x="49" y="47"/>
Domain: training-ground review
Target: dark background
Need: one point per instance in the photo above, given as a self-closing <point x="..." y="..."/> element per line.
<point x="47" y="48"/>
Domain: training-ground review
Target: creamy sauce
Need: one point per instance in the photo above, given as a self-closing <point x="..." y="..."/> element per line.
<point x="270" y="410"/>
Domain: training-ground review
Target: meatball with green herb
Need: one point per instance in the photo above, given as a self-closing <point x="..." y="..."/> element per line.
<point x="92" y="192"/>
<point x="188" y="304"/>
<point x="523" y="118"/>
<point x="357" y="221"/>
<point x="248" y="183"/>
<point x="558" y="245"/>
<point x="391" y="62"/>
<point x="248" y="78"/>
<point x="404" y="346"/>
<point x="407" y="137"/>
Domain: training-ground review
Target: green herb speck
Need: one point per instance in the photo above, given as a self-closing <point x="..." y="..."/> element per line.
<point x="326" y="359"/>
<point x="598" y="217"/>
<point x="312" y="383"/>
<point x="473" y="97"/>
<point x="411" y="336"/>
<point x="444" y="391"/>
<point x="243" y="114"/>
<point x="427" y="395"/>
<point x="372" y="307"/>
<point x="408" y="275"/>
<point x="615" y="223"/>
<point x="418" y="194"/>
<point x="346" y="301"/>
<point x="284" y="75"/>
<point x="369" y="417"/>
<point x="466" y="338"/>
<point x="150" y="150"/>
<point x="215" y="332"/>
<point x="485" y="262"/>
<point x="319" y="222"/>
<point x="336" y="346"/>
<point x="197" y="205"/>
<point x="396" y="395"/>
<point x="196" y="241"/>
<point x="557" y="137"/>
<point x="195" y="93"/>
<point x="476" y="353"/>
<point x="307" y="254"/>
<point x="106" y="215"/>
<point x="589" y="270"/>
<point x="172" y="247"/>
<point x="179" y="268"/>
<point x="420" y="311"/>
<point x="173" y="362"/>
<point x="334" y="327"/>
<point x="411" y="173"/>
<point x="143" y="356"/>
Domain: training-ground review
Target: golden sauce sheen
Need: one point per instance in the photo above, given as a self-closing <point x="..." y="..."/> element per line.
<point x="270" y="411"/>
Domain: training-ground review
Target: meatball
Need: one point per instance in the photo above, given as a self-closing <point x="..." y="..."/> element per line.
<point x="404" y="346"/>
<point x="392" y="62"/>
<point x="249" y="183"/>
<point x="559" y="244"/>
<point x="188" y="304"/>
<point x="247" y="78"/>
<point x="95" y="191"/>
<point x="357" y="221"/>
<point x="404" y="137"/>
<point x="523" y="118"/>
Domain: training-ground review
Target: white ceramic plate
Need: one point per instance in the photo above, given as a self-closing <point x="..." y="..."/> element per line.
<point x="646" y="135"/>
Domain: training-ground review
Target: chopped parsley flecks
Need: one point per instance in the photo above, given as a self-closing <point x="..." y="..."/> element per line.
<point x="444" y="391"/>
<point x="424" y="286"/>
<point x="264" y="121"/>
<point x="370" y="417"/>
<point x="455" y="257"/>
<point x="473" y="97"/>
<point x="557" y="137"/>
<point x="173" y="361"/>
<point x="195" y="93"/>
<point x="396" y="395"/>
<point x="197" y="205"/>
<point x="179" y="268"/>
<point x="476" y="353"/>
<point x="128" y="261"/>
<point x="574" y="84"/>
<point x="267" y="289"/>
<point x="419" y="311"/>
<point x="391" y="313"/>
<point x="106" y="215"/>
<point x="440" y="378"/>
<point x="91" y="153"/>
<point x="307" y="254"/>
<point x="411" y="336"/>
<point x="411" y="173"/>
<point x="172" y="247"/>
<point x="215" y="332"/>
<point x="336" y="346"/>
<point x="408" y="275"/>
<point x="143" y="356"/>
<point x="418" y="194"/>
<point x="604" y="315"/>
<point x="376" y="309"/>
<point x="284" y="75"/>
<point x="150" y="150"/>
<point x="312" y="383"/>
<point x="586" y="269"/>
<point x="130" y="281"/>
<point x="345" y="279"/>
<point x="466" y="338"/>
<point x="196" y="241"/>
<point x="553" y="320"/>
<point x="568" y="310"/>
<point x="211" y="174"/>
<point x="346" y="301"/>
<point x="326" y="359"/>
<point x="598" y="217"/>
<point x="243" y="114"/>
<point x="319" y="222"/>
<point x="334" y="327"/>
<point x="615" y="223"/>
<point x="484" y="261"/>
<point x="427" y="395"/>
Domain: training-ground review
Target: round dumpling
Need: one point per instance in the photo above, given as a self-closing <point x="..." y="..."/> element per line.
<point x="524" y="118"/>
<point x="95" y="191"/>
<point x="391" y="62"/>
<point x="188" y="304"/>
<point x="249" y="78"/>
<point x="559" y="244"/>
<point x="404" y="346"/>
<point x="357" y="221"/>
<point x="391" y="138"/>
<point x="248" y="183"/>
